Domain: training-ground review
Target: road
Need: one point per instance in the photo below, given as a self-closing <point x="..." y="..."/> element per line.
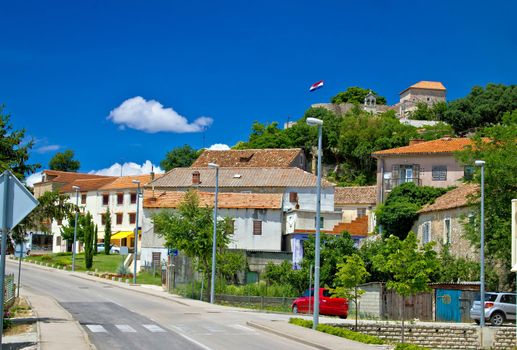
<point x="117" y="318"/>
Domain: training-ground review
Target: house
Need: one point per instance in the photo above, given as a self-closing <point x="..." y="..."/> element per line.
<point x="295" y="216"/>
<point x="53" y="180"/>
<point x="253" y="158"/>
<point x="425" y="163"/>
<point x="357" y="205"/>
<point x="428" y="92"/>
<point x="443" y="221"/>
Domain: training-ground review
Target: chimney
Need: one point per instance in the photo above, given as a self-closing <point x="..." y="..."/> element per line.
<point x="415" y="141"/>
<point x="196" y="178"/>
<point x="152" y="172"/>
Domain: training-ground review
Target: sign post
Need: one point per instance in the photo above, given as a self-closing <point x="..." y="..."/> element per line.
<point x="16" y="202"/>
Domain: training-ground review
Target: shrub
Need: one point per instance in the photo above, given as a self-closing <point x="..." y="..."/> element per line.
<point x="406" y="346"/>
<point x="122" y="269"/>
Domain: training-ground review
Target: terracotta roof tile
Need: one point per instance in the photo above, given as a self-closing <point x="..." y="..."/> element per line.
<point x="455" y="198"/>
<point x="256" y="158"/>
<point x="355" y="195"/>
<point x="239" y="177"/>
<point x="171" y="199"/>
<point x="87" y="184"/>
<point x="67" y="176"/>
<point x="443" y="145"/>
<point x="125" y="182"/>
<point x="428" y="85"/>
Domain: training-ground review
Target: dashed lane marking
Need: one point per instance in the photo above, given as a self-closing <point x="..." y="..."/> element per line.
<point x="125" y="328"/>
<point x="154" y="328"/>
<point x="96" y="328"/>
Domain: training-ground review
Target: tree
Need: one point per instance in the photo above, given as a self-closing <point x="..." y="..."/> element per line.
<point x="107" y="232"/>
<point x="410" y="266"/>
<point x="425" y="112"/>
<point x="399" y="212"/>
<point x="95" y="240"/>
<point x="350" y="275"/>
<point x="190" y="230"/>
<point x="14" y="149"/>
<point x="64" y="161"/>
<point x="499" y="152"/>
<point x="356" y="95"/>
<point x="481" y="107"/>
<point x="179" y="157"/>
<point x="88" y="234"/>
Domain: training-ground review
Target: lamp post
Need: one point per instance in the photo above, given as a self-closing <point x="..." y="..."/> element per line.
<point x="136" y="229"/>
<point x="76" y="188"/>
<point x="214" y="236"/>
<point x="316" y="292"/>
<point x="481" y="163"/>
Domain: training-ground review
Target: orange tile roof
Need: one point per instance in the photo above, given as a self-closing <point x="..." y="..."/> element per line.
<point x="355" y="195"/>
<point x="456" y="198"/>
<point x="443" y="145"/>
<point x="67" y="176"/>
<point x="428" y="85"/>
<point x="125" y="182"/>
<point x="171" y="199"/>
<point x="256" y="158"/>
<point x="87" y="184"/>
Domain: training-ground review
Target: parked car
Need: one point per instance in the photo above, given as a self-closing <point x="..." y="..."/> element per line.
<point x="113" y="250"/>
<point x="498" y="308"/>
<point x="328" y="305"/>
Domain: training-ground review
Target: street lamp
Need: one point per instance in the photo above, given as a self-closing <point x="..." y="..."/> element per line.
<point x="136" y="229"/>
<point x="481" y="163"/>
<point x="316" y="292"/>
<point x="214" y="236"/>
<point x="76" y="189"/>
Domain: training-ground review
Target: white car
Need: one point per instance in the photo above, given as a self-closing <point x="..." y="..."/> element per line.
<point x="113" y="250"/>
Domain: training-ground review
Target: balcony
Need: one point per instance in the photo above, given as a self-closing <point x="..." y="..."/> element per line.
<point x="389" y="184"/>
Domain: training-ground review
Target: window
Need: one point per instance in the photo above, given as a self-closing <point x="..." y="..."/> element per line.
<point x="447" y="231"/>
<point x="133" y="197"/>
<point x="58" y="240"/>
<point x="257" y="227"/>
<point x="468" y="172"/>
<point x="119" y="218"/>
<point x="59" y="222"/>
<point x="293" y="197"/>
<point x="83" y="198"/>
<point x="105" y="199"/>
<point x="361" y="212"/>
<point x="321" y="222"/>
<point x="426" y="232"/>
<point x="439" y="172"/>
<point x="508" y="299"/>
<point x="132" y="218"/>
<point x="232" y="228"/>
<point x="472" y="219"/>
<point x="120" y="198"/>
<point x="103" y="219"/>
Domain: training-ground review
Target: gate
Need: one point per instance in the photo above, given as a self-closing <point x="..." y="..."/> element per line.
<point x="448" y="305"/>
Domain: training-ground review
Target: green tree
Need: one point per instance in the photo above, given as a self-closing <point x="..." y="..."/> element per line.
<point x="179" y="157"/>
<point x="356" y="95"/>
<point x="107" y="232"/>
<point x="88" y="228"/>
<point x="14" y="149"/>
<point x="399" y="212"/>
<point x="481" y="107"/>
<point x="500" y="154"/>
<point x="456" y="269"/>
<point x="229" y="264"/>
<point x="410" y="266"/>
<point x="190" y="230"/>
<point x="434" y="112"/>
<point x="95" y="240"/>
<point x="350" y="275"/>
<point x="64" y="161"/>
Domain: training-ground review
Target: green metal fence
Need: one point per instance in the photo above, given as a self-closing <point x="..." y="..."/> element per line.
<point x="9" y="290"/>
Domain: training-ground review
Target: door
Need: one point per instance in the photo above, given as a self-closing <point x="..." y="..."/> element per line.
<point x="448" y="305"/>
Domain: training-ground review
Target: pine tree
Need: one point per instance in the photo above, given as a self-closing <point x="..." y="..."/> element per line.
<point x="95" y="239"/>
<point x="89" y="232"/>
<point x="107" y="232"/>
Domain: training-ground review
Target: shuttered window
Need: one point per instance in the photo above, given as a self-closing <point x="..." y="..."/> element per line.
<point x="293" y="197"/>
<point x="257" y="227"/>
<point x="439" y="173"/>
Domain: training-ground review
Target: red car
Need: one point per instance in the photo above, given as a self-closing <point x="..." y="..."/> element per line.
<point x="328" y="305"/>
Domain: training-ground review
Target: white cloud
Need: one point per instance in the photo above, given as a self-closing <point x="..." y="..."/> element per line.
<point x="129" y="168"/>
<point x="48" y="148"/>
<point x="150" y="116"/>
<point x="219" y="147"/>
<point x="32" y="179"/>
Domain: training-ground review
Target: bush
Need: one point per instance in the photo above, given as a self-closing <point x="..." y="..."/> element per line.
<point x="406" y="346"/>
<point x="122" y="269"/>
<point x="340" y="332"/>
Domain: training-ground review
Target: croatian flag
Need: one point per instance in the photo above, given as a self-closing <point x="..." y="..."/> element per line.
<point x="316" y="85"/>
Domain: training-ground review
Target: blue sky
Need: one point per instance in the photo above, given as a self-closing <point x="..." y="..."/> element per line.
<point x="66" y="65"/>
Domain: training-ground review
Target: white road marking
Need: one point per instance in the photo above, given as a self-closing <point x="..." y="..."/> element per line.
<point x="125" y="328"/>
<point x="154" y="328"/>
<point x="181" y="328"/>
<point x="96" y="328"/>
<point x="240" y="326"/>
<point x="202" y="346"/>
<point x="213" y="329"/>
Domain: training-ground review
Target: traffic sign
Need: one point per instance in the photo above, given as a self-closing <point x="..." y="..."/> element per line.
<point x="20" y="202"/>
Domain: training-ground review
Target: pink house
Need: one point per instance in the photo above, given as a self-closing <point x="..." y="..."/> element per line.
<point x="425" y="163"/>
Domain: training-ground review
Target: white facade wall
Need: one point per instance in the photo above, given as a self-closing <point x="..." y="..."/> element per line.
<point x="305" y="220"/>
<point x="307" y="199"/>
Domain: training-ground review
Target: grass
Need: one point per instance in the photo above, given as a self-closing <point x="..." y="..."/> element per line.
<point x="102" y="262"/>
<point x="146" y="277"/>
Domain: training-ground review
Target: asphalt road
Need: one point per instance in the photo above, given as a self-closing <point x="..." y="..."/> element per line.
<point x="117" y="318"/>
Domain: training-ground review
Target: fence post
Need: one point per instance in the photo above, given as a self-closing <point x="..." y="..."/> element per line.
<point x="261" y="302"/>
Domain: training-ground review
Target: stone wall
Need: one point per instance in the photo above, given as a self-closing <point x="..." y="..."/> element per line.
<point x="440" y="335"/>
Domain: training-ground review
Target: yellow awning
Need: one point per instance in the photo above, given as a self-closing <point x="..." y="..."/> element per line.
<point x="123" y="234"/>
